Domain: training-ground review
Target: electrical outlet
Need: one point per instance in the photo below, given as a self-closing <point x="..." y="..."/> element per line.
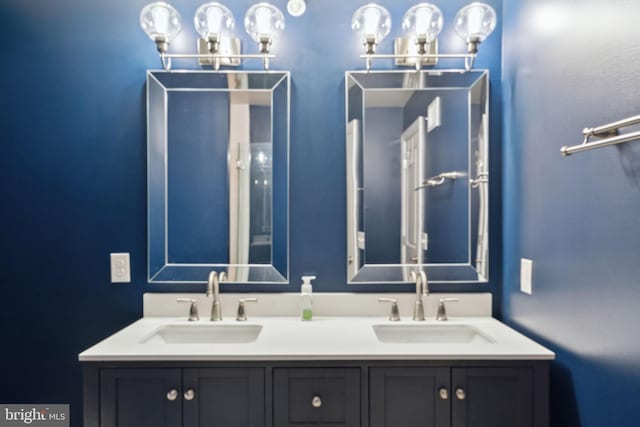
<point x="526" y="275"/>
<point x="120" y="268"/>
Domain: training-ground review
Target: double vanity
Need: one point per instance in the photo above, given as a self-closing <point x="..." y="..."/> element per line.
<point x="417" y="186"/>
<point x="349" y="366"/>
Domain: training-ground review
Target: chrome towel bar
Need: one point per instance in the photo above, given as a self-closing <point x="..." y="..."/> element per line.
<point x="609" y="132"/>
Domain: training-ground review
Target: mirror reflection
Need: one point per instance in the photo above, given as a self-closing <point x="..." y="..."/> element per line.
<point x="218" y="176"/>
<point x="417" y="176"/>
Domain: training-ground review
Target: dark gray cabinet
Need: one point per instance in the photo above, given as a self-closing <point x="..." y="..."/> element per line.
<point x="322" y="393"/>
<point x="492" y="397"/>
<point x="140" y="398"/>
<point x="456" y="397"/>
<point x="174" y="397"/>
<point x="223" y="397"/>
<point x="409" y="397"/>
<point x="316" y="396"/>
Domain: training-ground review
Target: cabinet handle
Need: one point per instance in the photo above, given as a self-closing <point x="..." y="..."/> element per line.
<point x="460" y="394"/>
<point x="316" y="402"/>
<point x="189" y="394"/>
<point x="172" y="394"/>
<point x="444" y="394"/>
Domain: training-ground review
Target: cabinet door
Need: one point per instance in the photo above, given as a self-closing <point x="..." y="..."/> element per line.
<point x="492" y="397"/>
<point x="140" y="398"/>
<point x="316" y="397"/>
<point x="409" y="397"/>
<point x="224" y="397"/>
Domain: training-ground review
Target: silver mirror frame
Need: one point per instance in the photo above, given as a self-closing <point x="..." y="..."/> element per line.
<point x="164" y="272"/>
<point x="446" y="273"/>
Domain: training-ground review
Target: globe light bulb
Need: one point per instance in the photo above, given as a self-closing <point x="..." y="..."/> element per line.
<point x="161" y="22"/>
<point x="214" y="20"/>
<point x="423" y="21"/>
<point x="474" y="23"/>
<point x="372" y="23"/>
<point x="264" y="22"/>
<point x="160" y="16"/>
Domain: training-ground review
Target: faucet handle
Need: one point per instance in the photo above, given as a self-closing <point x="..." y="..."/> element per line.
<point x="241" y="316"/>
<point x="442" y="311"/>
<point x="193" y="309"/>
<point x="394" y="316"/>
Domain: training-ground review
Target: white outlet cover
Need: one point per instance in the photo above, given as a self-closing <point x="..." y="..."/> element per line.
<point x="526" y="276"/>
<point x="120" y="268"/>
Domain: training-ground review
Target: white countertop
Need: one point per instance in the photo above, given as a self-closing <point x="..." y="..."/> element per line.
<point x="323" y="338"/>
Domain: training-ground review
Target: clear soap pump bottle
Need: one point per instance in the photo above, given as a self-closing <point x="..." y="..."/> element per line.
<point x="306" y="310"/>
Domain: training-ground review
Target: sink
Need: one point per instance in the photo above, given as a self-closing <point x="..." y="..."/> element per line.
<point x="434" y="334"/>
<point x="204" y="334"/>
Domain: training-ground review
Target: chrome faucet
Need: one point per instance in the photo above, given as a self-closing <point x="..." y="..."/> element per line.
<point x="422" y="288"/>
<point x="213" y="289"/>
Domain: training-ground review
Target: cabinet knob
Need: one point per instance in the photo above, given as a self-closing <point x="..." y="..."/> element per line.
<point x="189" y="394"/>
<point x="444" y="393"/>
<point x="460" y="394"/>
<point x="316" y="402"/>
<point x="172" y="394"/>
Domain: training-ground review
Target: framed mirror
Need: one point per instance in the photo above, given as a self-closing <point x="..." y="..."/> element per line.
<point x="218" y="176"/>
<point x="417" y="175"/>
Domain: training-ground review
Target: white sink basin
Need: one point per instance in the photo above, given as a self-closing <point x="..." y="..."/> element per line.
<point x="204" y="334"/>
<point x="424" y="334"/>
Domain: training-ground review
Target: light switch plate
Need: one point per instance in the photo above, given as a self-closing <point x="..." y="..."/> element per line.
<point x="526" y="275"/>
<point x="120" y="268"/>
<point x="434" y="114"/>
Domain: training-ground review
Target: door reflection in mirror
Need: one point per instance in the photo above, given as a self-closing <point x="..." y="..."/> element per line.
<point x="417" y="180"/>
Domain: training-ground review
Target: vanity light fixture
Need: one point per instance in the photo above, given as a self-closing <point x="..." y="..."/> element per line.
<point x="264" y="22"/>
<point x="474" y="23"/>
<point x="422" y="24"/>
<point x="162" y="23"/>
<point x="372" y="23"/>
<point x="296" y="7"/>
<point x="215" y="23"/>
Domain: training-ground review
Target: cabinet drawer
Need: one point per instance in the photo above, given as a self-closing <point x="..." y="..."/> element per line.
<point x="316" y="396"/>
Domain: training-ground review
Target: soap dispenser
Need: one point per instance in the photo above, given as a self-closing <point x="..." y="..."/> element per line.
<point x="306" y="310"/>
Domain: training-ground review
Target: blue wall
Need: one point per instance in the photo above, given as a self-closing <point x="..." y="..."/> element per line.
<point x="566" y="68"/>
<point x="382" y="180"/>
<point x="73" y="169"/>
<point x="198" y="134"/>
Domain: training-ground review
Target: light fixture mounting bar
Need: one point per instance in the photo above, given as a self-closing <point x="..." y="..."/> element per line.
<point x="405" y="45"/>
<point x="210" y="58"/>
<point x="419" y="59"/>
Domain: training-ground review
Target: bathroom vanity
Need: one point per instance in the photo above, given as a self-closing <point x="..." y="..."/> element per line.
<point x="335" y="370"/>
